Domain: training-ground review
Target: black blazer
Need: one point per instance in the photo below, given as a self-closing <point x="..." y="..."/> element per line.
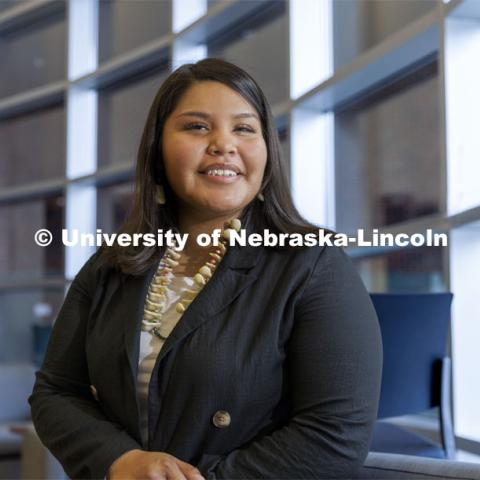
<point x="287" y="343"/>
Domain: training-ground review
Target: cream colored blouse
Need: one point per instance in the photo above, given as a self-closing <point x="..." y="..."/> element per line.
<point x="150" y="346"/>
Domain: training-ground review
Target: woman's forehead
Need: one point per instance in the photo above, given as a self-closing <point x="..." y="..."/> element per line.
<point x="209" y="97"/>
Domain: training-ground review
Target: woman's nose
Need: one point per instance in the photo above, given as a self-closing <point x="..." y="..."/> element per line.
<point x="222" y="143"/>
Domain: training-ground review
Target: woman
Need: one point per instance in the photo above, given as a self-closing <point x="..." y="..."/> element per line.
<point x="221" y="362"/>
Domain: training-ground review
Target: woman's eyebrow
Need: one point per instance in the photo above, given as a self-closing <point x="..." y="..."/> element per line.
<point x="207" y="116"/>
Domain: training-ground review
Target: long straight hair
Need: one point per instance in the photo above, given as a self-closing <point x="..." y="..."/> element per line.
<point x="277" y="212"/>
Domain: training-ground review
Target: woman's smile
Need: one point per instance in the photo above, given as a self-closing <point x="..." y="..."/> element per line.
<point x="221" y="176"/>
<point x="221" y="173"/>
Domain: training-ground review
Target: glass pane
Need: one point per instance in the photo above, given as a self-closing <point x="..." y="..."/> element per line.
<point x="416" y="270"/>
<point x="127" y="24"/>
<point x="387" y="158"/>
<point x="21" y="259"/>
<point x="369" y="22"/>
<point x="113" y="203"/>
<point x="35" y="56"/>
<point x="266" y="36"/>
<point x="32" y="147"/>
<point x="464" y="281"/>
<point x="122" y="113"/>
<point x="25" y="321"/>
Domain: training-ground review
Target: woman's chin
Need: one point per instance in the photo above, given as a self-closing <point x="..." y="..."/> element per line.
<point x="224" y="209"/>
<point x="222" y="203"/>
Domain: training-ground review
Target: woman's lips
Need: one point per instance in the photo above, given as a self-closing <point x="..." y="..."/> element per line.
<point x="220" y="179"/>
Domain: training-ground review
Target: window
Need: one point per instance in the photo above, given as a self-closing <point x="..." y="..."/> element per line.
<point x="360" y="25"/>
<point x="125" y="25"/>
<point x="122" y="113"/>
<point x="113" y="204"/>
<point x="35" y="55"/>
<point x="414" y="270"/>
<point x="266" y="35"/>
<point x="20" y="258"/>
<point x="32" y="146"/>
<point x="387" y="153"/>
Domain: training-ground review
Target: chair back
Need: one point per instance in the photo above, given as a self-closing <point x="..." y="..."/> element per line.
<point x="414" y="332"/>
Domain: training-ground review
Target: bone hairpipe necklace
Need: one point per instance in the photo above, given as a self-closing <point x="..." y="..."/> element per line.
<point x="156" y="298"/>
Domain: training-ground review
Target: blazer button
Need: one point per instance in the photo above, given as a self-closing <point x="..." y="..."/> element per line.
<point x="94" y="392"/>
<point x="221" y="419"/>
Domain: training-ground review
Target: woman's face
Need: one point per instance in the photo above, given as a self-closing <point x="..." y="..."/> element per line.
<point x="213" y="150"/>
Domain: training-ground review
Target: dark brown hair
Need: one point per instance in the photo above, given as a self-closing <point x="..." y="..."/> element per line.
<point x="277" y="212"/>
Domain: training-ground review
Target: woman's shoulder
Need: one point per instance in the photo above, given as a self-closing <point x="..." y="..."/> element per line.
<point x="94" y="268"/>
<point x="310" y="255"/>
<point x="317" y="260"/>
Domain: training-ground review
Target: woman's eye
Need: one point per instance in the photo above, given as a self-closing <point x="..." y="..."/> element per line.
<point x="200" y="126"/>
<point x="195" y="126"/>
<point x="246" y="129"/>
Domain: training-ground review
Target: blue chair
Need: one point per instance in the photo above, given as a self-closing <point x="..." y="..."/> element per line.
<point x="416" y="371"/>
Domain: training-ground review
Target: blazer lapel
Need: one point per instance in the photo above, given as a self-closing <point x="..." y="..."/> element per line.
<point x="234" y="274"/>
<point x="134" y="292"/>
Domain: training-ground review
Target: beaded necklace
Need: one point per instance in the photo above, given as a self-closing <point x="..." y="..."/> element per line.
<point x="154" y="308"/>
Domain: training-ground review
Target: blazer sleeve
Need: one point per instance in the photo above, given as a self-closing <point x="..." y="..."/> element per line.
<point x="67" y="418"/>
<point x="334" y="360"/>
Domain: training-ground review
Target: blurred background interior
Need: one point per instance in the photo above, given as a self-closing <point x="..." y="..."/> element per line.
<point x="376" y="103"/>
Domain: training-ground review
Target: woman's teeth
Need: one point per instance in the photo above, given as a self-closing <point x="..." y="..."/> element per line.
<point x="222" y="173"/>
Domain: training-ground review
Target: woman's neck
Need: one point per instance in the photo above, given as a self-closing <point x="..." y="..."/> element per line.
<point x="194" y="225"/>
<point x="194" y="255"/>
